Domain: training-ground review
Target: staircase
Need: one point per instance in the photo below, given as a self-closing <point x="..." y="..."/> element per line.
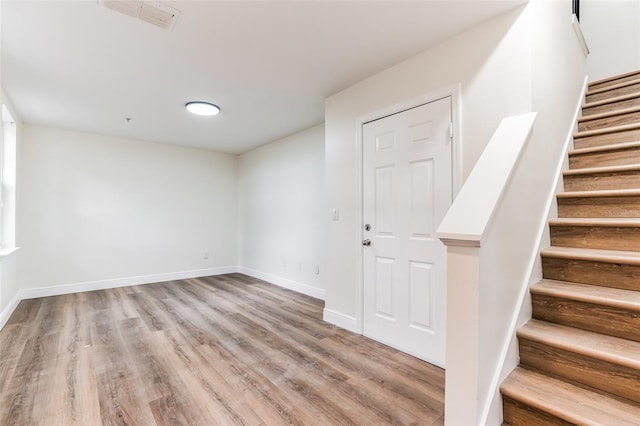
<point x="580" y="353"/>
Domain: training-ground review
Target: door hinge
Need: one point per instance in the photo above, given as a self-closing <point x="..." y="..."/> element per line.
<point x="450" y="132"/>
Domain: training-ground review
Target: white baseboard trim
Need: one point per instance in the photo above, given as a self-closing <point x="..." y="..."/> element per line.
<point x="341" y="320"/>
<point x="8" y="310"/>
<point x="299" y="287"/>
<point x="58" y="290"/>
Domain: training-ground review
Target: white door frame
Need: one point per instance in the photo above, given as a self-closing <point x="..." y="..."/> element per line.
<point x="456" y="168"/>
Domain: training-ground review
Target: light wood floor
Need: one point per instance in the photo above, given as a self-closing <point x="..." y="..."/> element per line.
<point x="211" y="351"/>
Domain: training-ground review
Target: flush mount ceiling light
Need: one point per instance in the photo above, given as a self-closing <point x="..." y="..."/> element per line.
<point x="202" y="108"/>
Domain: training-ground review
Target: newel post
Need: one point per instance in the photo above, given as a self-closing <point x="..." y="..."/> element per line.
<point x="462" y="356"/>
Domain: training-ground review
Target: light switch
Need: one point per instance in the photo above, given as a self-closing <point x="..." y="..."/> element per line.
<point x="336" y="214"/>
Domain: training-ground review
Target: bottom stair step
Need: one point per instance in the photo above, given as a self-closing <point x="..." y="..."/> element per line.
<point x="532" y="398"/>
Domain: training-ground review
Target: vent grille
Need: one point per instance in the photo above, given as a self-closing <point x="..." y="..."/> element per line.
<point x="149" y="11"/>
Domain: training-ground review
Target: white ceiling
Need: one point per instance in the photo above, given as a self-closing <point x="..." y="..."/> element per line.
<point x="269" y="65"/>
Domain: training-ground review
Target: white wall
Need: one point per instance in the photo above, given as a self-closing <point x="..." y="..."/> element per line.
<point x="96" y="209"/>
<point x="558" y="71"/>
<point x="491" y="63"/>
<point x="612" y="31"/>
<point x="281" y="211"/>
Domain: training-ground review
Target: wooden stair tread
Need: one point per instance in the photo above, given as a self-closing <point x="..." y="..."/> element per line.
<point x="625" y="299"/>
<point x="617" y="222"/>
<point x="594" y="255"/>
<point x="607" y="130"/>
<point x="613" y="87"/>
<point x="614" y="78"/>
<point x="605" y="148"/>
<point x="600" y="193"/>
<point x="611" y="100"/>
<point x="568" y="402"/>
<point x="608" y="114"/>
<point x="604" y="169"/>
<point x="593" y="345"/>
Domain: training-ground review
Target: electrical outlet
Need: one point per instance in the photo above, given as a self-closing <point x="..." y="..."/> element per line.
<point x="206" y="255"/>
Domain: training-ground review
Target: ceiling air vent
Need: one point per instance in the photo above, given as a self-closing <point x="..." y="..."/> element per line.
<point x="149" y="11"/>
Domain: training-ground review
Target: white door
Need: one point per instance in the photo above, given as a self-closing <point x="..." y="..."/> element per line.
<point x="407" y="189"/>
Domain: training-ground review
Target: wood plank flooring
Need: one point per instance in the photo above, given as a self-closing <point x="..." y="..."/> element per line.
<point x="223" y="350"/>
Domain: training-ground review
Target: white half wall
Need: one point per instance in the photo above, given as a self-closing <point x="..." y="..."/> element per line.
<point x="612" y="31"/>
<point x="95" y="208"/>
<point x="281" y="212"/>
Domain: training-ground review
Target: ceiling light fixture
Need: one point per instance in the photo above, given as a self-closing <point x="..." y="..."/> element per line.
<point x="202" y="108"/>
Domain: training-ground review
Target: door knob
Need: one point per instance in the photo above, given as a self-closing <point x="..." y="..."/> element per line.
<point x="366" y="242"/>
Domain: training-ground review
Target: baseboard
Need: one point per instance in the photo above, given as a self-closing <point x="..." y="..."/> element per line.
<point x="341" y="320"/>
<point x="299" y="287"/>
<point x="8" y="310"/>
<point x="58" y="290"/>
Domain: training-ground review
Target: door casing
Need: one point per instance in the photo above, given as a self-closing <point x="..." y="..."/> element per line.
<point x="456" y="167"/>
